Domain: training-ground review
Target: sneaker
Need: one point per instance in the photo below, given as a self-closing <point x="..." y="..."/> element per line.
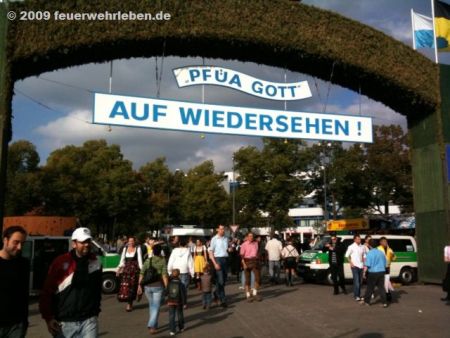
<point x="384" y="305"/>
<point x="172" y="333"/>
<point x="358" y="299"/>
<point x="362" y="302"/>
<point x="181" y="330"/>
<point x="152" y="330"/>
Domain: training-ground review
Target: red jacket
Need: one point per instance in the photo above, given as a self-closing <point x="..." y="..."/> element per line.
<point x="69" y="296"/>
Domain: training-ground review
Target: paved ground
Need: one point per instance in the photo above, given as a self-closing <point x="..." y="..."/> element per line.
<point x="304" y="310"/>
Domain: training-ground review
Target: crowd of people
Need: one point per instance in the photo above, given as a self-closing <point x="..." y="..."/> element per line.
<point x="368" y="261"/>
<point x="71" y="297"/>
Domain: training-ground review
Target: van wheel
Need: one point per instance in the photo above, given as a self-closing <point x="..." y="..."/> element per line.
<point x="406" y="275"/>
<point x="110" y="283"/>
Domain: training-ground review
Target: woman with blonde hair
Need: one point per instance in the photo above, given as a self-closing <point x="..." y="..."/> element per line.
<point x="200" y="260"/>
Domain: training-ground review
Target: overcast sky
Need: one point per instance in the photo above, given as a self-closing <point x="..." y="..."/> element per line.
<point x="52" y="114"/>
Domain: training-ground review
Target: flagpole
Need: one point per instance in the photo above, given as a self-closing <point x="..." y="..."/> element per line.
<point x="434" y="33"/>
<point x="413" y="33"/>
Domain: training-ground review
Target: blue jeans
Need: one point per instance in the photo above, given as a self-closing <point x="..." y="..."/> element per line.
<point x="207" y="298"/>
<point x="221" y="277"/>
<point x="252" y="279"/>
<point x="14" y="331"/>
<point x="154" y="295"/>
<point x="87" y="328"/>
<point x="274" y="270"/>
<point x="357" y="281"/>
<point x="178" y="311"/>
<point x="185" y="279"/>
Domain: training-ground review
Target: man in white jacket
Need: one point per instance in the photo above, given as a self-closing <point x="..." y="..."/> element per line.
<point x="181" y="259"/>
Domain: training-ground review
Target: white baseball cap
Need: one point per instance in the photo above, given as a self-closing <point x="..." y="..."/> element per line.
<point x="81" y="234"/>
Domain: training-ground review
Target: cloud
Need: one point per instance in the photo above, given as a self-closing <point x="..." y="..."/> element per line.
<point x="182" y="150"/>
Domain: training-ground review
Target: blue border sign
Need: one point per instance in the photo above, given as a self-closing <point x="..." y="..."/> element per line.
<point x="153" y="113"/>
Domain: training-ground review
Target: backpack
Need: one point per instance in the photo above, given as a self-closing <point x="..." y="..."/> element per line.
<point x="173" y="291"/>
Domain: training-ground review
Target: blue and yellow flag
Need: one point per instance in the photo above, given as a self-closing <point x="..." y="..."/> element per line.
<point x="442" y="25"/>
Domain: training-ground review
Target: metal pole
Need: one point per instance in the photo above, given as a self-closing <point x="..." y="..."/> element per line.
<point x="325" y="213"/>
<point x="233" y="186"/>
<point x="413" y="32"/>
<point x="434" y="33"/>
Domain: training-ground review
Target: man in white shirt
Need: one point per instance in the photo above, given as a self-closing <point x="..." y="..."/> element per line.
<point x="273" y="248"/>
<point x="354" y="255"/>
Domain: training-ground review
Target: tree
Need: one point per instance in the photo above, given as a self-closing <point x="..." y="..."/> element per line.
<point x="204" y="200"/>
<point x="94" y="183"/>
<point x="389" y="169"/>
<point x="341" y="172"/>
<point x="163" y="193"/>
<point x="362" y="177"/>
<point x="23" y="188"/>
<point x="270" y="181"/>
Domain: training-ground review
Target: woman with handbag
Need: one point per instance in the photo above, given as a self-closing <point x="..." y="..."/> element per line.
<point x="154" y="280"/>
<point x="129" y="267"/>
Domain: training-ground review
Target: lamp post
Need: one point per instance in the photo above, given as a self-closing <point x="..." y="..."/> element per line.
<point x="233" y="194"/>
<point x="325" y="212"/>
<point x="325" y="160"/>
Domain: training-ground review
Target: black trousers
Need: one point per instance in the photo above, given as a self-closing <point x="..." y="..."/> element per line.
<point x="176" y="311"/>
<point x="337" y="275"/>
<point x="375" y="279"/>
<point x="446" y="281"/>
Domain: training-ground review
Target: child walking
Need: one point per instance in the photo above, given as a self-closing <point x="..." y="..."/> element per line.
<point x="206" y="283"/>
<point x="176" y="299"/>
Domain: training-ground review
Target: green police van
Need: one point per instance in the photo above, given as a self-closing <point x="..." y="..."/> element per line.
<point x="42" y="250"/>
<point x="313" y="264"/>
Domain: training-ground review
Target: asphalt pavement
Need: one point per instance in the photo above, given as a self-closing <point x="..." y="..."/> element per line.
<point x="304" y="310"/>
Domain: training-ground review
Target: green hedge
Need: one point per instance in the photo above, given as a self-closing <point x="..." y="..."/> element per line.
<point x="275" y="32"/>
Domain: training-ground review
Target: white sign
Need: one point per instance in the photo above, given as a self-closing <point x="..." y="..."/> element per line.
<point x="210" y="75"/>
<point x="207" y="118"/>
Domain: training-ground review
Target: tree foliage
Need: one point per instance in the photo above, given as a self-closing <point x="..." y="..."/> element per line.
<point x="270" y="181"/>
<point x="204" y="201"/>
<point x="23" y="184"/>
<point x="389" y="169"/>
<point x="96" y="184"/>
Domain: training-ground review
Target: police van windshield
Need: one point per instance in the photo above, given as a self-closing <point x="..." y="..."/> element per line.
<point x="320" y="244"/>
